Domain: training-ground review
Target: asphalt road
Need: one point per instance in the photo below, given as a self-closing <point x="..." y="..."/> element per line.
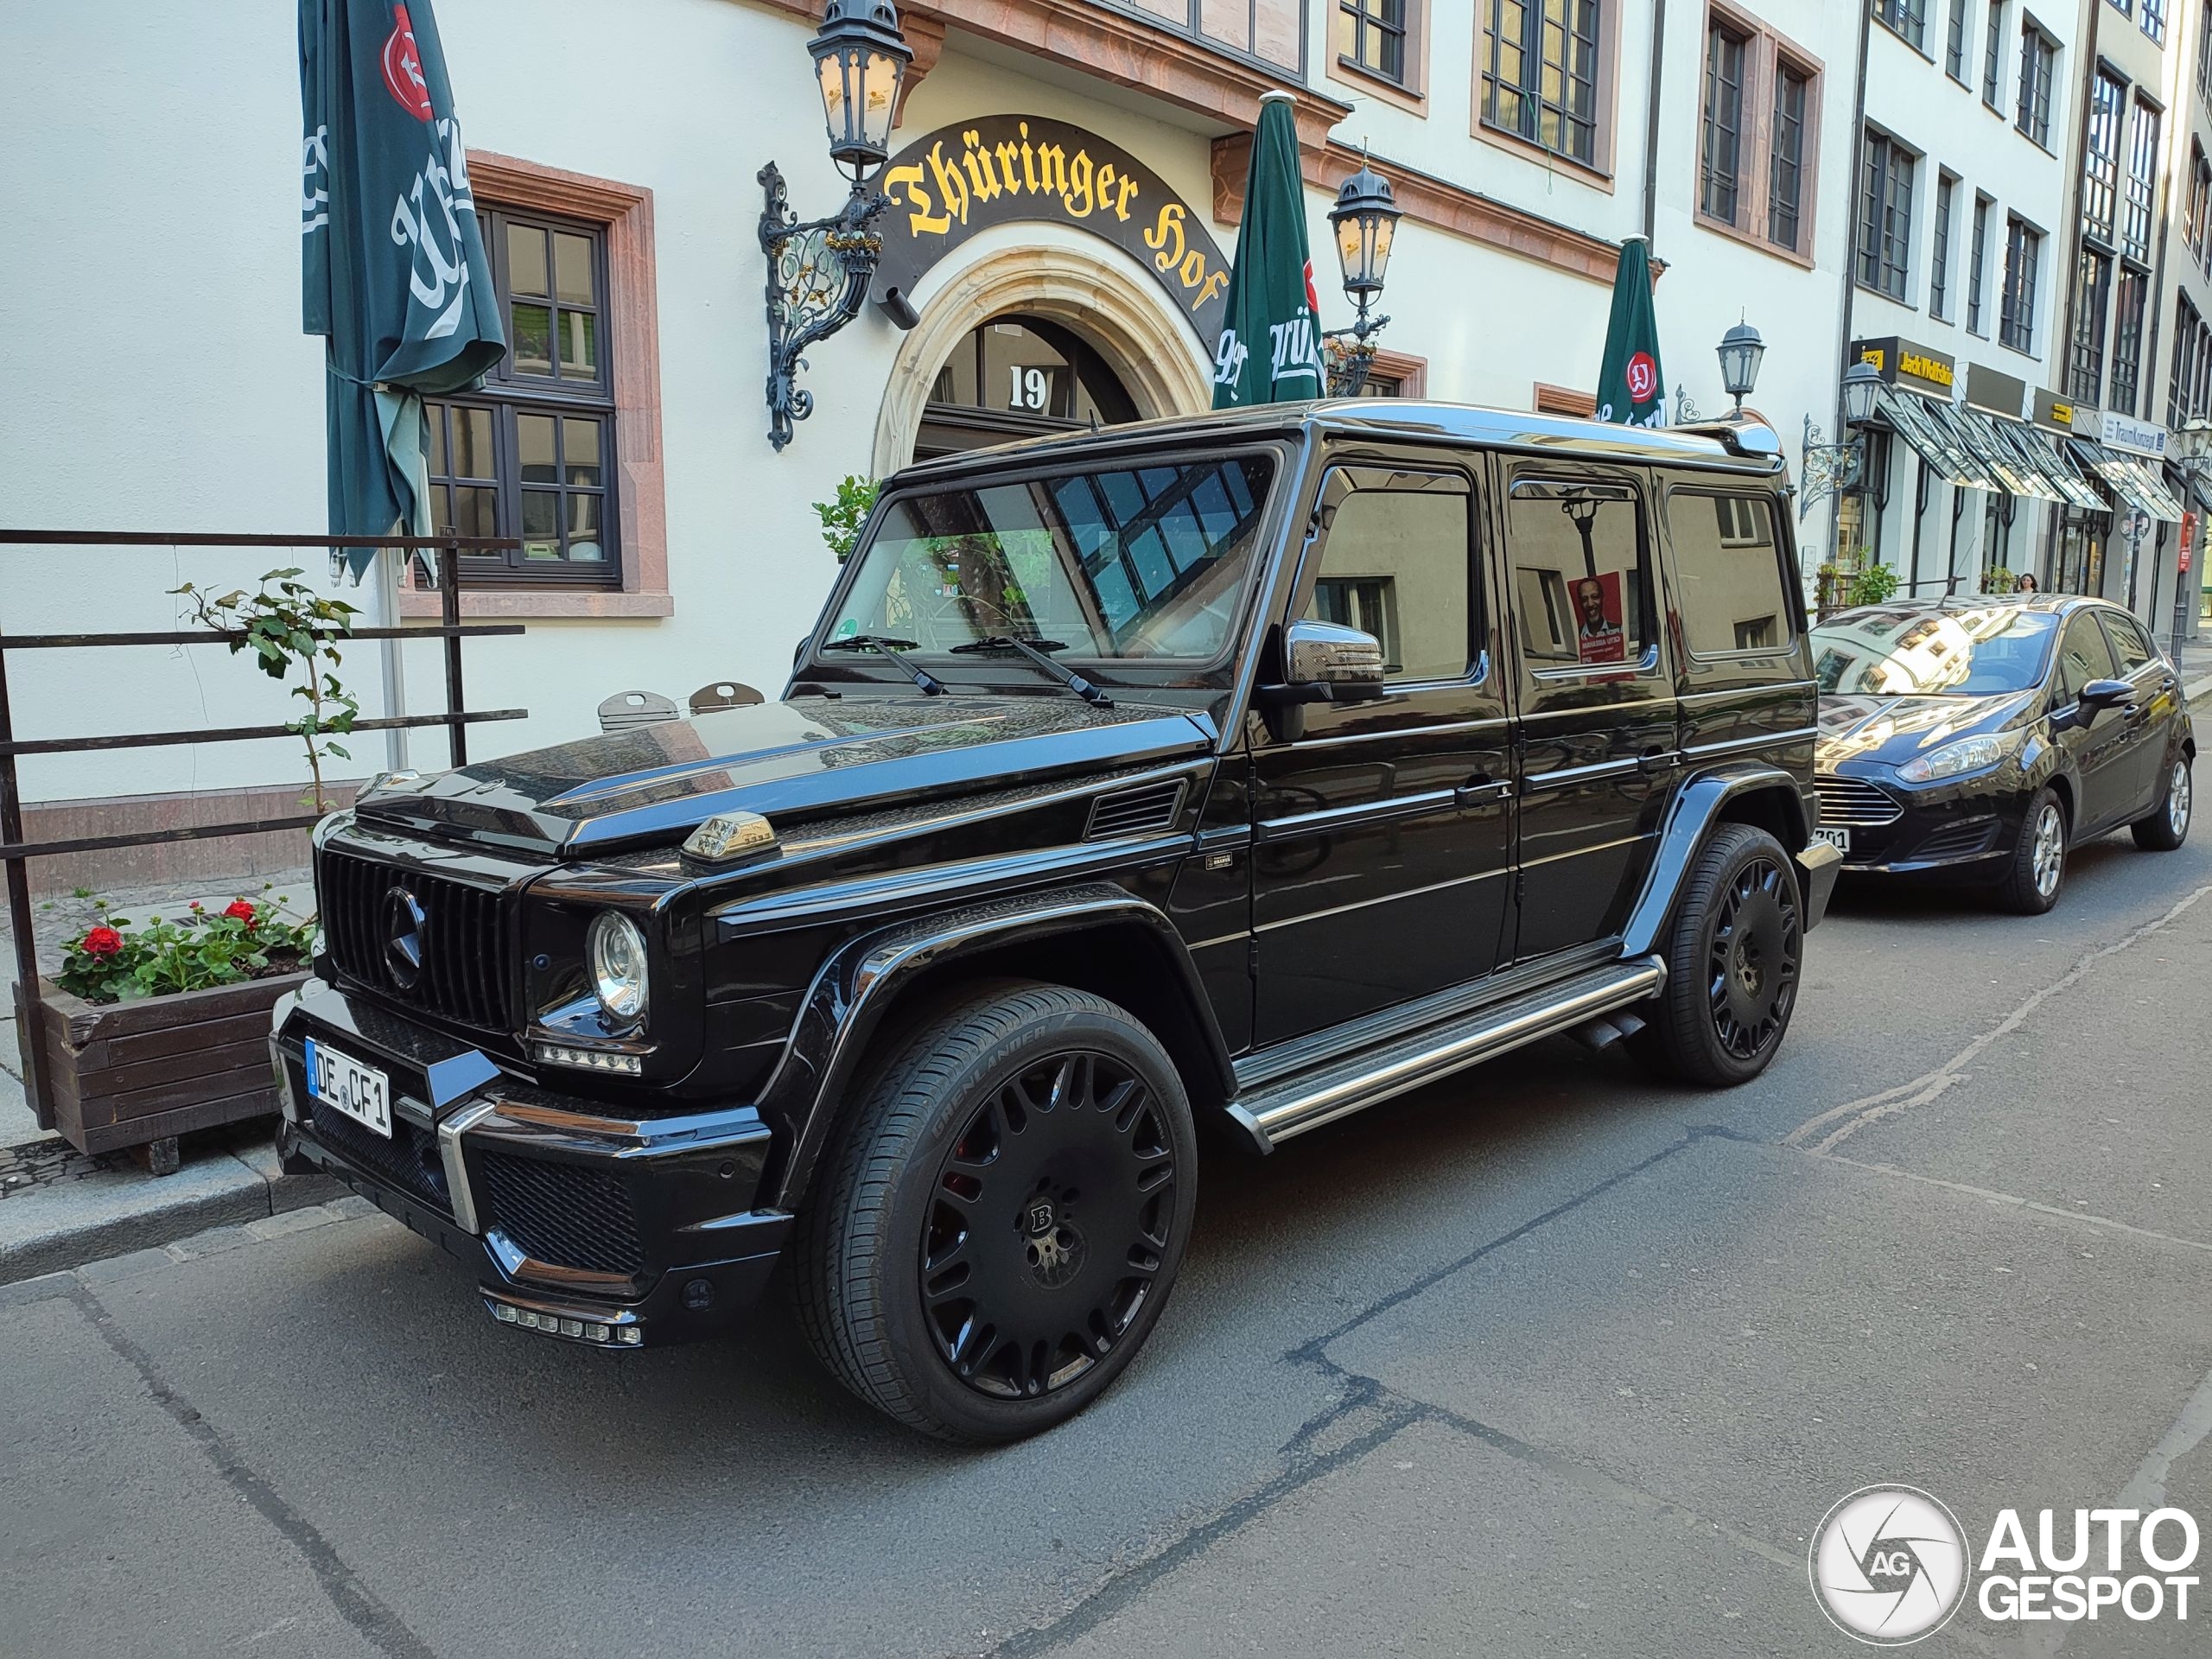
<point x="1543" y="1360"/>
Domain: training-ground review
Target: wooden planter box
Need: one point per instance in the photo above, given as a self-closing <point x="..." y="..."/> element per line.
<point x="130" y="1074"/>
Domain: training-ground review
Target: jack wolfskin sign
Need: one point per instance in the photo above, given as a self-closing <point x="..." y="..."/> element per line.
<point x="1631" y="386"/>
<point x="1270" y="353"/>
<point x="392" y="265"/>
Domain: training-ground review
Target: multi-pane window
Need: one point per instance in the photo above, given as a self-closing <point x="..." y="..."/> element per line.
<point x="1273" y="32"/>
<point x="2127" y="337"/>
<point x="1721" y="153"/>
<point x="1976" y="266"/>
<point x="2185" y="385"/>
<point x="2154" y="19"/>
<point x="1939" y="259"/>
<point x="2142" y="184"/>
<point x="531" y="455"/>
<point x="2038" y="70"/>
<point x="1886" y="216"/>
<point x="1786" y="159"/>
<point x="2200" y="200"/>
<point x="1954" y="43"/>
<point x="1377" y="38"/>
<point x="2204" y="52"/>
<point x="2092" y="297"/>
<point x="1908" y="17"/>
<point x="1993" y="54"/>
<point x="2101" y="180"/>
<point x="2016" y="314"/>
<point x="1539" y="73"/>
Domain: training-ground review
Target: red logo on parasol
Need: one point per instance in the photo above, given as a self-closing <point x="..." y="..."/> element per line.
<point x="1313" y="298"/>
<point x="1643" y="377"/>
<point x="403" y="68"/>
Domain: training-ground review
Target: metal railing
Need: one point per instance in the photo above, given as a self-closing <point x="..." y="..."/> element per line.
<point x="15" y="850"/>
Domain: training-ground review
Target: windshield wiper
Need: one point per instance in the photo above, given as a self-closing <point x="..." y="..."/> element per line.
<point x="1034" y="649"/>
<point x="890" y="646"/>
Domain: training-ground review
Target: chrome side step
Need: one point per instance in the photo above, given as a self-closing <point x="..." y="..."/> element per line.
<point x="1292" y="1105"/>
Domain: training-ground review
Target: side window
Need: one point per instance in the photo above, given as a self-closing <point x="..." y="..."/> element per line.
<point x="2082" y="656"/>
<point x="1581" y="584"/>
<point x="1728" y="560"/>
<point x="2128" y="642"/>
<point x="1396" y="561"/>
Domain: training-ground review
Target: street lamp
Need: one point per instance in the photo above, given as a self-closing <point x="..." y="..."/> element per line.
<point x="1740" y="350"/>
<point x="819" y="271"/>
<point x="1365" y="223"/>
<point x="1828" y="469"/>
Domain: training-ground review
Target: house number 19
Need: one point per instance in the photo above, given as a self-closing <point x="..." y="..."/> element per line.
<point x="1033" y="389"/>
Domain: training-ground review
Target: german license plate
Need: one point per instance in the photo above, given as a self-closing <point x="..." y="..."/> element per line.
<point x="1838" y="838"/>
<point x="343" y="1082"/>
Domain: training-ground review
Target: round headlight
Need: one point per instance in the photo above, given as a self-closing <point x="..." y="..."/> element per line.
<point x="618" y="966"/>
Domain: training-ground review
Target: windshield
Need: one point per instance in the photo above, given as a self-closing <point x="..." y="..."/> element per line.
<point x="1148" y="561"/>
<point x="1906" y="650"/>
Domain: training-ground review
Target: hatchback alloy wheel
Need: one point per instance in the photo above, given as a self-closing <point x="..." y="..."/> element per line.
<point x="2050" y="848"/>
<point x="1051" y="1221"/>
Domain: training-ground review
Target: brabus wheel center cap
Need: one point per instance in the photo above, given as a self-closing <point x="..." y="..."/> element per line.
<point x="1053" y="1247"/>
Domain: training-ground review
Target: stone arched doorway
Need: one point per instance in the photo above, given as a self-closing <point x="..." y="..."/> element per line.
<point x="1020" y="376"/>
<point x="1124" y="350"/>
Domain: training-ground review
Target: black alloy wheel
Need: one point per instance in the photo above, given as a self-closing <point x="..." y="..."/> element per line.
<point x="1734" y="956"/>
<point x="1049" y="1225"/>
<point x="994" y="1233"/>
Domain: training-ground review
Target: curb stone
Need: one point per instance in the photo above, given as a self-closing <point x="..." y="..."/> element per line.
<point x="119" y="1212"/>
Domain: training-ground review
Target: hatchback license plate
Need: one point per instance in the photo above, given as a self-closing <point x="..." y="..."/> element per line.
<point x="1838" y="838"/>
<point x="343" y="1082"/>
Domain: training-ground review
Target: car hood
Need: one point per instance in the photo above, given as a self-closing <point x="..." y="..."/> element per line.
<point x="806" y="758"/>
<point x="1892" y="730"/>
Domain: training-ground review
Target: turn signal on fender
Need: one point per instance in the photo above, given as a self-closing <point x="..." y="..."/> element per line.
<point x="729" y="836"/>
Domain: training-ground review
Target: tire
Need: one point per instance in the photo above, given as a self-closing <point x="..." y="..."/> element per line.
<point x="997" y="1229"/>
<point x="2165" y="826"/>
<point x="1734" y="955"/>
<point x="2037" y="870"/>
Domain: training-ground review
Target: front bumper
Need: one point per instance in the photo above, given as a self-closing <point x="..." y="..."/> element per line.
<point x="1965" y="828"/>
<point x="616" y="1231"/>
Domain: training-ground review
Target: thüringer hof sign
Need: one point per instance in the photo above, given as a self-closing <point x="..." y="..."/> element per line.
<point x="962" y="179"/>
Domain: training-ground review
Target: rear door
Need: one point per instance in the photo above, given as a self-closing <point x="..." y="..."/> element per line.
<point x="2098" y="743"/>
<point x="1382" y="834"/>
<point x="1736" y="620"/>
<point x="2149" y="722"/>
<point x="1597" y="747"/>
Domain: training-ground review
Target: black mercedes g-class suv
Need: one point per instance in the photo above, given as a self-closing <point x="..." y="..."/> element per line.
<point x="1255" y="767"/>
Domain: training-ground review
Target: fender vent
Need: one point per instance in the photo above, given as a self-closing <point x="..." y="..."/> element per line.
<point x="1134" y="811"/>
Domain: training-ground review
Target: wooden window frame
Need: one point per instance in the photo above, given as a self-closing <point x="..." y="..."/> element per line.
<point x="1598" y="171"/>
<point x="1401" y="369"/>
<point x="1564" y="400"/>
<point x="631" y="346"/>
<point x="1192" y="28"/>
<point x="1410" y="94"/>
<point x="1766" y="53"/>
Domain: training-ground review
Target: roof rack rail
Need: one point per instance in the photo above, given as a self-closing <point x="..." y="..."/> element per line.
<point x="1749" y="436"/>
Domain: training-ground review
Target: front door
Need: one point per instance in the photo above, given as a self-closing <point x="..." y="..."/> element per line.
<point x="2097" y="739"/>
<point x="1599" y="750"/>
<point x="1382" y="832"/>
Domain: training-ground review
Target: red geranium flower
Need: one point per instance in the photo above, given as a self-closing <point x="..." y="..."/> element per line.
<point x="241" y="909"/>
<point x="103" y="942"/>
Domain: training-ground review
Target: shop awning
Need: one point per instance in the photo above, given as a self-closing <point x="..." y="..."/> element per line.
<point x="2133" y="481"/>
<point x="1920" y="421"/>
<point x="2015" y="468"/>
<point x="2077" y="490"/>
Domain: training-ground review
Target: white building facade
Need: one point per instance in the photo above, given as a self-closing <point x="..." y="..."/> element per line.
<point x="158" y="381"/>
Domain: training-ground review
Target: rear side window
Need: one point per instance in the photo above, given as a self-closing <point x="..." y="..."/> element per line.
<point x="1397" y="562"/>
<point x="2128" y="641"/>
<point x="1728" y="559"/>
<point x="2082" y="656"/>
<point x="1581" y="584"/>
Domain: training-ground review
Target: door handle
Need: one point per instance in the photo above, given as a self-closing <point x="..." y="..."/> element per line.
<point x="1655" y="760"/>
<point x="1482" y="789"/>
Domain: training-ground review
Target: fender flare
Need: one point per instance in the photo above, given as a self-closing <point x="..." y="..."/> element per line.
<point x="859" y="982"/>
<point x="1697" y="806"/>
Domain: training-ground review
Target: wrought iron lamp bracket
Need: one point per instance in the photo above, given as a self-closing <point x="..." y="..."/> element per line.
<point x="1350" y="353"/>
<point x="819" y="271"/>
<point x="1825" y="469"/>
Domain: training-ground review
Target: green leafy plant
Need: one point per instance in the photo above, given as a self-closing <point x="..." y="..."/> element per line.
<point x="1874" y="584"/>
<point x="117" y="960"/>
<point x="841" y="519"/>
<point x="291" y="629"/>
<point x="1999" y="579"/>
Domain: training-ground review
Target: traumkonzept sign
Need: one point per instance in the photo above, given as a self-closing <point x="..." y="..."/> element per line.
<point x="960" y="180"/>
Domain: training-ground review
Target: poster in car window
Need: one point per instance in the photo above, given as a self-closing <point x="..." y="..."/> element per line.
<point x="1600" y="637"/>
